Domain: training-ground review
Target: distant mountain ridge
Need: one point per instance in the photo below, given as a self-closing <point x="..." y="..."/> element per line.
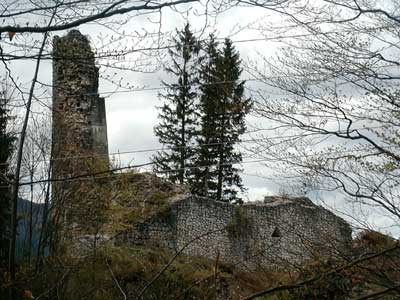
<point x="23" y="210"/>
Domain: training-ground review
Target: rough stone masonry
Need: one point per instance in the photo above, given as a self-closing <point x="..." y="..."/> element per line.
<point x="79" y="115"/>
<point x="79" y="131"/>
<point x="278" y="231"/>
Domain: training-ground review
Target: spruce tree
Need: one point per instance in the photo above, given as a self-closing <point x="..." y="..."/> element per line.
<point x="178" y="115"/>
<point x="6" y="141"/>
<point x="223" y="107"/>
<point x="204" y="174"/>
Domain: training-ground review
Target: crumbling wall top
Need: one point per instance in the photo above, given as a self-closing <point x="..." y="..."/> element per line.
<point x="73" y="47"/>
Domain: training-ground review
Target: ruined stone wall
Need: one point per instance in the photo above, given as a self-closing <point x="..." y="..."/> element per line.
<point x="79" y="132"/>
<point x="278" y="233"/>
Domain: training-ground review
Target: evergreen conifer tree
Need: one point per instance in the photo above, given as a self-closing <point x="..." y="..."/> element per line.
<point x="178" y="115"/>
<point x="206" y="158"/>
<point x="223" y="107"/>
<point x="6" y="141"/>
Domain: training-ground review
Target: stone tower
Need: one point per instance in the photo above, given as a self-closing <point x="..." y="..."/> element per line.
<point x="79" y="116"/>
<point x="79" y="131"/>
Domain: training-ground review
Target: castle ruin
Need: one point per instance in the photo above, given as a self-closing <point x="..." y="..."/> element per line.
<point x="79" y="115"/>
<point x="276" y="231"/>
<point x="79" y="131"/>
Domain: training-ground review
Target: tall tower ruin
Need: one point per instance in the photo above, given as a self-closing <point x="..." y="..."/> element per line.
<point x="79" y="115"/>
<point x="79" y="131"/>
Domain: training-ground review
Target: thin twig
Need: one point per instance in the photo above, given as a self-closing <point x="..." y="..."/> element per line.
<point x="315" y="278"/>
<point x="396" y="287"/>
<point x="172" y="260"/>
<point x="115" y="280"/>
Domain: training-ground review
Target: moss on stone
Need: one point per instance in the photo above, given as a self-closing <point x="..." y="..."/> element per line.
<point x="138" y="197"/>
<point x="240" y="225"/>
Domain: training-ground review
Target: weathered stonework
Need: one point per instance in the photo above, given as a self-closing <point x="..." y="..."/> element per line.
<point x="276" y="233"/>
<point x="79" y="116"/>
<point x="79" y="122"/>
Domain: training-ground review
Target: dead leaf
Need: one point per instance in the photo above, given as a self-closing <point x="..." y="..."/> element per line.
<point x="11" y="35"/>
<point x="28" y="294"/>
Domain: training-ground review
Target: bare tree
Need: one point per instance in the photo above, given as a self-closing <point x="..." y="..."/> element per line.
<point x="330" y="106"/>
<point x="332" y="99"/>
<point x="35" y="165"/>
